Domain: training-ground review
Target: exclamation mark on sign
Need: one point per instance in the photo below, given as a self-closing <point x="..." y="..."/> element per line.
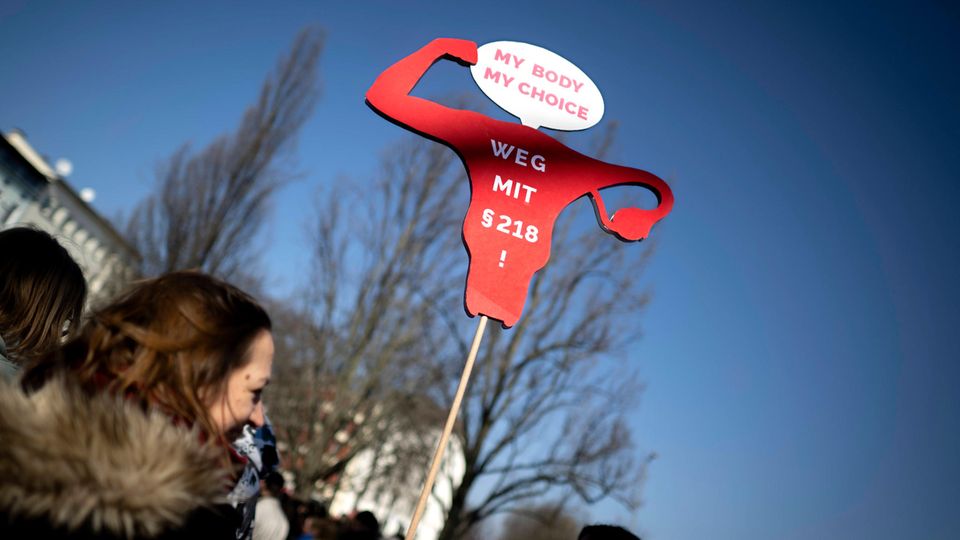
<point x="503" y="257"/>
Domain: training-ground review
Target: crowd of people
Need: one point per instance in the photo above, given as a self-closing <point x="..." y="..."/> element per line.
<point x="143" y="418"/>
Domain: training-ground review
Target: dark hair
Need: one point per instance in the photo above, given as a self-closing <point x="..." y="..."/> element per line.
<point x="42" y="291"/>
<point x="170" y="341"/>
<point x="606" y="532"/>
<point x="368" y="521"/>
<point x="274" y="482"/>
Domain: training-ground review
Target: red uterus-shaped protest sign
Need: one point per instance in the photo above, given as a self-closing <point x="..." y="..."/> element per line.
<point x="520" y="178"/>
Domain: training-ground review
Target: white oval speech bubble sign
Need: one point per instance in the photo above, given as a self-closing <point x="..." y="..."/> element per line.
<point x="538" y="86"/>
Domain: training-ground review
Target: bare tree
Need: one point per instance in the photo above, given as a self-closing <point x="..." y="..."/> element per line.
<point x="357" y="370"/>
<point x="210" y="204"/>
<point x="543" y="414"/>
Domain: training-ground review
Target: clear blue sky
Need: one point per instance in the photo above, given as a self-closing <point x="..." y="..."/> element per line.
<point x="801" y="352"/>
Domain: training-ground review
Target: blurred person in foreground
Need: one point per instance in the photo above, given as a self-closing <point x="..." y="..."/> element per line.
<point x="42" y="292"/>
<point x="126" y="431"/>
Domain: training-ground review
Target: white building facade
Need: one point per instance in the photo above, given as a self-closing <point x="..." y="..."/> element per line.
<point x="393" y="497"/>
<point x="33" y="194"/>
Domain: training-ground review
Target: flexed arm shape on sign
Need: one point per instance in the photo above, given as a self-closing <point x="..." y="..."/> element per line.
<point x="520" y="180"/>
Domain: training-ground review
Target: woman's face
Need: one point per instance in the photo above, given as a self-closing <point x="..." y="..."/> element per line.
<point x="241" y="403"/>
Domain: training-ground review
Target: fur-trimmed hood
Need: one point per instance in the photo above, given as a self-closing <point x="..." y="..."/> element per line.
<point x="76" y="466"/>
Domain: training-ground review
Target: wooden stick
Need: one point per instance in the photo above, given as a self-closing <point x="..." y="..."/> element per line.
<point x="447" y="429"/>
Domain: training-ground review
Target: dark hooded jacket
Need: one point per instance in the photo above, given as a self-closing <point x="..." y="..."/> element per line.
<point x="74" y="466"/>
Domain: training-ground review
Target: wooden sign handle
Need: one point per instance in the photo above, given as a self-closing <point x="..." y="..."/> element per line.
<point x="447" y="429"/>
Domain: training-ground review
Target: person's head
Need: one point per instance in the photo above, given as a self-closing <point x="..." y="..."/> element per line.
<point x="606" y="532"/>
<point x="367" y="521"/>
<point x="320" y="528"/>
<point x="186" y="343"/>
<point x="42" y="292"/>
<point x="272" y="483"/>
<point x="316" y="509"/>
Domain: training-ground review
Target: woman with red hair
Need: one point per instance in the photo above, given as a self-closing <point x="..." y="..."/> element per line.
<point x="185" y="348"/>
